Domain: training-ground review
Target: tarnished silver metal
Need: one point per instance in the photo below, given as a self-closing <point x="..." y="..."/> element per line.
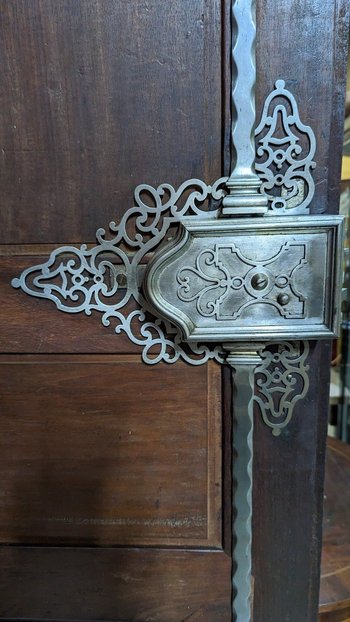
<point x="246" y="280"/>
<point x="286" y="148"/>
<point x="243" y="184"/>
<point x="243" y="360"/>
<point x="221" y="282"/>
<point x="281" y="380"/>
<point x="108" y="277"/>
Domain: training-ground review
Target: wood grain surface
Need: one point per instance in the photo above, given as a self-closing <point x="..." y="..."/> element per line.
<point x="305" y="43"/>
<point x="114" y="584"/>
<point x="99" y="461"/>
<point x="98" y="96"/>
<point x="335" y="569"/>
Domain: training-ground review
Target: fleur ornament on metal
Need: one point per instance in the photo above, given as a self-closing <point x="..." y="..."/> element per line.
<point x="246" y="280"/>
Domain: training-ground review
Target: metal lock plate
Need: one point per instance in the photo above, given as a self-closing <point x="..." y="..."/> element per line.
<point x="251" y="279"/>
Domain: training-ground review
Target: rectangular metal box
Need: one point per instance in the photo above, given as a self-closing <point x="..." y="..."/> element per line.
<point x="268" y="278"/>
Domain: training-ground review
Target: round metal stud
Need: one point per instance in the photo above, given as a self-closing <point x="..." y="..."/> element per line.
<point x="283" y="299"/>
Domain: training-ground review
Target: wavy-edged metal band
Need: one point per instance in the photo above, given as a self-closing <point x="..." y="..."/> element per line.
<point x="243" y="183"/>
<point x="243" y="363"/>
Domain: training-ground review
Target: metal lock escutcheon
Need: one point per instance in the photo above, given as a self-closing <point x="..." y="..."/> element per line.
<point x="249" y="279"/>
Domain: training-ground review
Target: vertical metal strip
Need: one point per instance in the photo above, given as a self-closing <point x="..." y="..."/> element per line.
<point x="243" y="183"/>
<point x="243" y="366"/>
<point x="243" y="87"/>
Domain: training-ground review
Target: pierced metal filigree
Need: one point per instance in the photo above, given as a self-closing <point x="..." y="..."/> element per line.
<point x="285" y="152"/>
<point x="108" y="277"/>
<point x="281" y="381"/>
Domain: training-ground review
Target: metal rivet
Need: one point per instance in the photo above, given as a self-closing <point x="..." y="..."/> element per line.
<point x="283" y="299"/>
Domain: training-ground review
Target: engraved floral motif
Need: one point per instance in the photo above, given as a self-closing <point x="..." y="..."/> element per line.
<point x="207" y="282"/>
<point x="224" y="274"/>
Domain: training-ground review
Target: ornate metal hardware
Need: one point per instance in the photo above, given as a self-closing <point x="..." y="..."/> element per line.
<point x="284" y="162"/>
<point x="242" y="280"/>
<point x="238" y="284"/>
<point x="281" y="380"/>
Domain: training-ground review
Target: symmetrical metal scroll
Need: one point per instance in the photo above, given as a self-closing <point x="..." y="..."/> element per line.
<point x="281" y="378"/>
<point x="226" y="289"/>
<point x="286" y="148"/>
<point x="108" y="277"/>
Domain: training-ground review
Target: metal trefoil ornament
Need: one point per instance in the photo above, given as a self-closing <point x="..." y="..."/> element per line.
<point x="248" y="283"/>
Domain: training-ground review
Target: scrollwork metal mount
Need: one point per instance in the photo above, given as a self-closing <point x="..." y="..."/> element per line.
<point x="192" y="310"/>
<point x="286" y="148"/>
<point x="107" y="278"/>
<point x="281" y="378"/>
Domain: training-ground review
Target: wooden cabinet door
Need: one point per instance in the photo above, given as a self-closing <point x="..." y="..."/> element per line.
<point x="115" y="476"/>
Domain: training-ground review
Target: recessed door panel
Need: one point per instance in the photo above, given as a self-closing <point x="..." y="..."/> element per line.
<point x="114" y="476"/>
<point x="100" y="450"/>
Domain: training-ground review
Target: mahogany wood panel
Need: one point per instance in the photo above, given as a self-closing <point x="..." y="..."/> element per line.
<point x="107" y="450"/>
<point x="98" y="97"/>
<point x="305" y="44"/>
<point x="92" y="181"/>
<point x="335" y="575"/>
<point x="114" y="584"/>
